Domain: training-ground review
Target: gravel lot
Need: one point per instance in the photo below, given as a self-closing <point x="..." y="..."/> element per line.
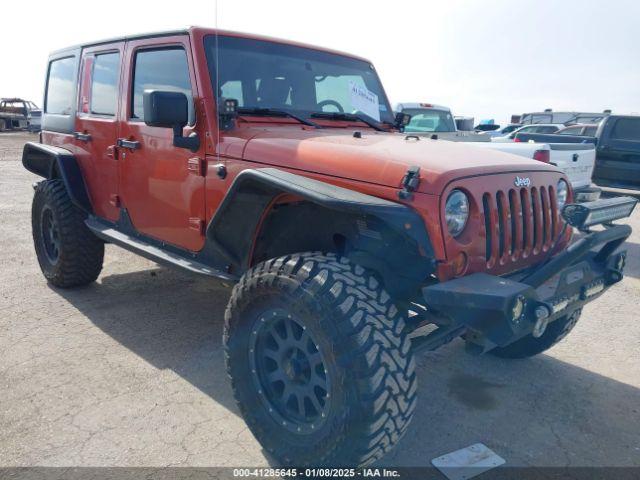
<point x="129" y="371"/>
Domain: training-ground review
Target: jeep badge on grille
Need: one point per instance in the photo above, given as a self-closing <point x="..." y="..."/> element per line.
<point x="522" y="182"/>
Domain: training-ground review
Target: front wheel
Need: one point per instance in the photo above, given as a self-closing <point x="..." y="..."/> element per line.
<point x="319" y="362"/>
<point x="530" y="346"/>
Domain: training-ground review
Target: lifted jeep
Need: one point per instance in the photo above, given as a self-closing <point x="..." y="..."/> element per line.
<point x="280" y="167"/>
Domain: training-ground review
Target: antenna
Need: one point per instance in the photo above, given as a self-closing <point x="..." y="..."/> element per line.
<point x="216" y="72"/>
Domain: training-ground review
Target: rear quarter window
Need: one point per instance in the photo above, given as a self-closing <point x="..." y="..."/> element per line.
<point x="61" y="86"/>
<point x="626" y="129"/>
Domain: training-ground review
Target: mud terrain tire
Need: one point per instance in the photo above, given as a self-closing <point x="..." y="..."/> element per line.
<point x="337" y="316"/>
<point x="529" y="346"/>
<point x="68" y="253"/>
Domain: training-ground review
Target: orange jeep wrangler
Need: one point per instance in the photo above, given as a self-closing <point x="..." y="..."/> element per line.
<point x="281" y="167"/>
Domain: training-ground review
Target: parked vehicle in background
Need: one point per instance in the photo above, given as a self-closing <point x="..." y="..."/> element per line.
<point x="618" y="152"/>
<point x="553" y="138"/>
<point x="534" y="151"/>
<point x="537" y="128"/>
<point x="549" y="116"/>
<point x="16" y="113"/>
<point x="464" y="124"/>
<point x="216" y="152"/>
<point x="617" y="142"/>
<point x="503" y="131"/>
<point x="487" y="125"/>
<point x="428" y="120"/>
<point x="587" y="130"/>
<point x="576" y="161"/>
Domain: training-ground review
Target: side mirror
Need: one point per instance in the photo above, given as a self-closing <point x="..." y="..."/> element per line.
<point x="166" y="109"/>
<point x="402" y="120"/>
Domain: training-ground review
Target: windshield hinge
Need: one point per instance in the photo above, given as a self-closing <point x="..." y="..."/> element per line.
<point x="410" y="182"/>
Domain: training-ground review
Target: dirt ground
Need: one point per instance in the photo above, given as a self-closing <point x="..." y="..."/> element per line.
<point x="129" y="371"/>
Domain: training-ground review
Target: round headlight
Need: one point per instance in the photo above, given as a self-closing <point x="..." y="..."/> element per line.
<point x="562" y="193"/>
<point x="456" y="212"/>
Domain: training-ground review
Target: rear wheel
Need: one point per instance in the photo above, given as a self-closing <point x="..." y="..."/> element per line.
<point x="68" y="253"/>
<point x="529" y="346"/>
<point x="319" y="362"/>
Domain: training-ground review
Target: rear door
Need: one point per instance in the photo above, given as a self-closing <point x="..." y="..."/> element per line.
<point x="96" y="127"/>
<point x="161" y="186"/>
<point x="618" y="160"/>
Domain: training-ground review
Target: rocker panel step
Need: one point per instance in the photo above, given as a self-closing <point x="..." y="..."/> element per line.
<point x="151" y="252"/>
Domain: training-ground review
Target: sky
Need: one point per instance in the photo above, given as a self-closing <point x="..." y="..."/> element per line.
<point x="482" y="58"/>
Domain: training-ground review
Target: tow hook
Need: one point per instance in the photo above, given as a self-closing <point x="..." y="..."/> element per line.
<point x="542" y="313"/>
<point x="410" y="183"/>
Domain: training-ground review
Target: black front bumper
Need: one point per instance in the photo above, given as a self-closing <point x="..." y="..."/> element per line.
<point x="486" y="306"/>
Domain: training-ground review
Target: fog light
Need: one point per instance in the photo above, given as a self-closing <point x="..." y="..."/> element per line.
<point x="517" y="309"/>
<point x="593" y="289"/>
<point x="542" y="320"/>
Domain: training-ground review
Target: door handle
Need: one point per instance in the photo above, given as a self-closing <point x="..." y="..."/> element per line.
<point x="131" y="144"/>
<point x="83" y="137"/>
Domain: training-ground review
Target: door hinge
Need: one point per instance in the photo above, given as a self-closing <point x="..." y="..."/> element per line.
<point x="196" y="166"/>
<point x="114" y="200"/>
<point x="197" y="224"/>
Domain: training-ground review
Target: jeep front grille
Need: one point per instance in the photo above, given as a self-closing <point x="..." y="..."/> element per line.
<point x="519" y="223"/>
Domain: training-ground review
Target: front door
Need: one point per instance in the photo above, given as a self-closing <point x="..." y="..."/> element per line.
<point x="97" y="127"/>
<point x="161" y="186"/>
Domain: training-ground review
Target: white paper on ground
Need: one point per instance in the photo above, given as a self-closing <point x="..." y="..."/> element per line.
<point x="467" y="462"/>
<point x="364" y="100"/>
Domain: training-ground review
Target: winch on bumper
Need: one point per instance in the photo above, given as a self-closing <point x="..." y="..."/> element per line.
<point x="496" y="311"/>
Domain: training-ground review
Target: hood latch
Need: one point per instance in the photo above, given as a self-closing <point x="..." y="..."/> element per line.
<point x="410" y="182"/>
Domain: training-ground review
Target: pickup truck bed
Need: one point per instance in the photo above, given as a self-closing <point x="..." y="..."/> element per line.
<point x="576" y="160"/>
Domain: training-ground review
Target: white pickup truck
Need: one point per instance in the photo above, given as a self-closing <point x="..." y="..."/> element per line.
<point x="429" y="120"/>
<point x="577" y="160"/>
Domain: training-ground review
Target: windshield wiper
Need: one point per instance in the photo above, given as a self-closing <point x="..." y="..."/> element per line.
<point x="272" y="112"/>
<point x="348" y="117"/>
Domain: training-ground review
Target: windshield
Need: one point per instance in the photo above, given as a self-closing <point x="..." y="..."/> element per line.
<point x="429" y="120"/>
<point x="303" y="81"/>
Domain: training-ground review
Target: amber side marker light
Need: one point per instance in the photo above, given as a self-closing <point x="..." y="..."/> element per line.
<point x="584" y="215"/>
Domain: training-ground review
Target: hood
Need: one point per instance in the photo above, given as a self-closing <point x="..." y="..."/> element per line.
<point x="376" y="157"/>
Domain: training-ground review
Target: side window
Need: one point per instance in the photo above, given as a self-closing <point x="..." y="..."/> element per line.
<point x="626" y="129"/>
<point x="104" y="84"/>
<point x="165" y="69"/>
<point x="61" y="86"/>
<point x="590" y="131"/>
<point x="548" y="129"/>
<point x="570" y="131"/>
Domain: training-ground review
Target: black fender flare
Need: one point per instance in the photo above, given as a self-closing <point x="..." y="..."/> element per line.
<point x="49" y="162"/>
<point x="232" y="229"/>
